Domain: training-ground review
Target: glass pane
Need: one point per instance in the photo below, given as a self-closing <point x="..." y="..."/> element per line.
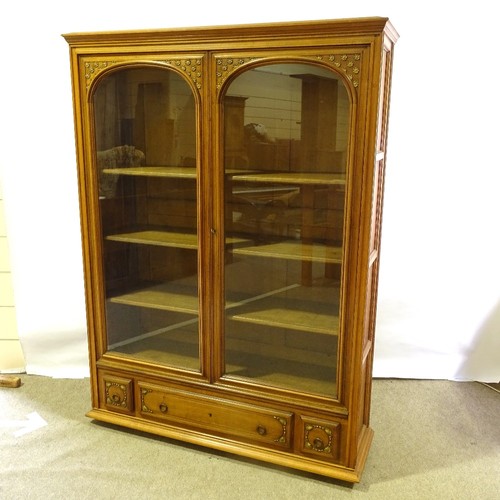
<point x="146" y="143"/>
<point x="286" y="139"/>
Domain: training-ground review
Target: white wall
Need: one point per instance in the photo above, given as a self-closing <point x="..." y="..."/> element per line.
<point x="11" y="354"/>
<point x="439" y="299"/>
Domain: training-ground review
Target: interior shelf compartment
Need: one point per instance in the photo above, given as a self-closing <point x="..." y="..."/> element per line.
<point x="298" y="307"/>
<point x="290" y="177"/>
<point x="292" y="250"/>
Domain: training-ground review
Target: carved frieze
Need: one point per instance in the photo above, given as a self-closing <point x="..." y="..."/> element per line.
<point x="347" y="63"/>
<point x="192" y="68"/>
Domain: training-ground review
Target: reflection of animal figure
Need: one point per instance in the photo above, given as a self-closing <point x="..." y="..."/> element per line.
<point x="118" y="157"/>
<point x="256" y="132"/>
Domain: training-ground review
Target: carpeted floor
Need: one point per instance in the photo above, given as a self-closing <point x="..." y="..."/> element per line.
<point x="433" y="440"/>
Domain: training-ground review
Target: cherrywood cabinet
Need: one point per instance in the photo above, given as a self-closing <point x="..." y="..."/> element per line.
<point x="231" y="186"/>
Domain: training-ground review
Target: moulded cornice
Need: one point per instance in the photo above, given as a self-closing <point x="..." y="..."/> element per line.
<point x="212" y="34"/>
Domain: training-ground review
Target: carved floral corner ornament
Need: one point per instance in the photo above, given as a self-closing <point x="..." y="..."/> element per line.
<point x="281" y="439"/>
<point x="92" y="68"/>
<point x="192" y="68"/>
<point x="226" y="66"/>
<point x="347" y="63"/>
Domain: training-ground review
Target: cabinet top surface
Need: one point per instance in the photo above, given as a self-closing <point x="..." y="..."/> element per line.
<point x="292" y="29"/>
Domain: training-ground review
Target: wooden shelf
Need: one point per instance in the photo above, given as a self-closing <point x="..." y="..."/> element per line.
<point x="295" y="308"/>
<point x="157" y="237"/>
<point x="307" y="309"/>
<point x="165" y="238"/>
<point x="291" y="178"/>
<point x="152" y="171"/>
<point x="293" y="250"/>
<point x="287" y="249"/>
<point x="173" y="296"/>
<point x="179" y="296"/>
<point x="279" y="312"/>
<point x="173" y="171"/>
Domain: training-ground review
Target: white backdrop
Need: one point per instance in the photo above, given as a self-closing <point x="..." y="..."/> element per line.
<point x="439" y="298"/>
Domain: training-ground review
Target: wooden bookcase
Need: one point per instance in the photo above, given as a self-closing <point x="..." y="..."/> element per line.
<point x="231" y="183"/>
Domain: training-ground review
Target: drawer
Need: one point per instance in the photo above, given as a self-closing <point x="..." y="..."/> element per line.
<point x="116" y="393"/>
<point x="252" y="423"/>
<point x="320" y="438"/>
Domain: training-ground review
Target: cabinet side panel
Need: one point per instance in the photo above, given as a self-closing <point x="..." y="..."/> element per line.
<point x="376" y="223"/>
<point x="79" y="107"/>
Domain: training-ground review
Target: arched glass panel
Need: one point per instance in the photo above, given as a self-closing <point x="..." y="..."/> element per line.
<point x="285" y="154"/>
<point x="145" y="135"/>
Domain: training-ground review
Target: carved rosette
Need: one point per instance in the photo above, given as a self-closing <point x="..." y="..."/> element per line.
<point x="225" y="66"/>
<point x="318" y="438"/>
<point x="321" y="438"/>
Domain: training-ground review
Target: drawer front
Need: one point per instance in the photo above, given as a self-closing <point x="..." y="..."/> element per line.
<point x="253" y="423"/>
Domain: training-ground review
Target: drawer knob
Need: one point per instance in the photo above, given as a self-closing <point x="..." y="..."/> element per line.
<point x="318" y="444"/>
<point x="163" y="408"/>
<point x="261" y="430"/>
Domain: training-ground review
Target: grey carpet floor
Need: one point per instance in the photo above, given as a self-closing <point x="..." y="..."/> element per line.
<point x="433" y="440"/>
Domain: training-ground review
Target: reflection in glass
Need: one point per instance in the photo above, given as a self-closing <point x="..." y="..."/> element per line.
<point x="146" y="165"/>
<point x="285" y="144"/>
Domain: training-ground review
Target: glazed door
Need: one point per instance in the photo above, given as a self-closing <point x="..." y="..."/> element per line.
<point x="147" y="177"/>
<point x="286" y="131"/>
